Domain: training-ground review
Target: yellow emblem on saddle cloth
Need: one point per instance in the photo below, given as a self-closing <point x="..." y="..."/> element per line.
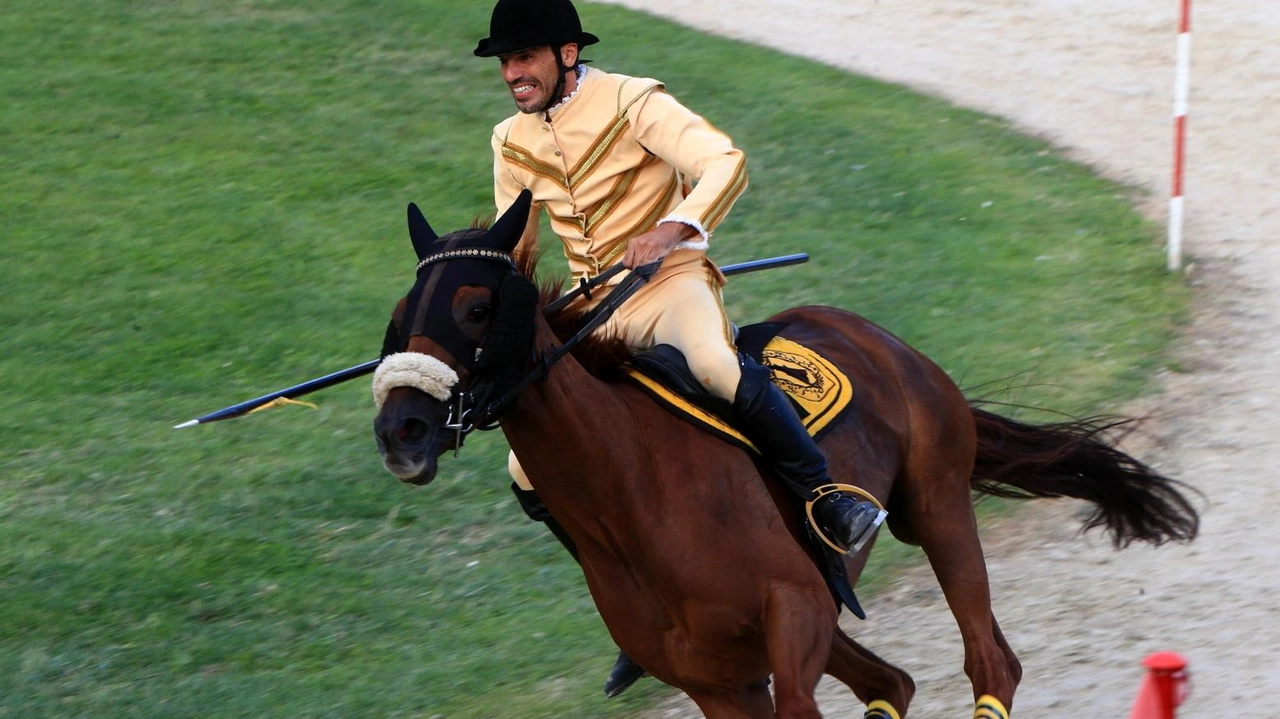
<point x="820" y="389"/>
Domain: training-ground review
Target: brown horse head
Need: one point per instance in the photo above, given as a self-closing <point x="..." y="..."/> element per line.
<point x="460" y="336"/>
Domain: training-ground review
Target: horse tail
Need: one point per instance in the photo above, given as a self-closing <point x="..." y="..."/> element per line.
<point x="1073" y="459"/>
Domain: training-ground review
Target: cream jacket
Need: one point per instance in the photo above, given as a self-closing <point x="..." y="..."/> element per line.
<point x="612" y="162"/>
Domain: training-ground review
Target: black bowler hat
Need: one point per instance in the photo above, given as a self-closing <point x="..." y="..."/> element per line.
<point x="522" y="24"/>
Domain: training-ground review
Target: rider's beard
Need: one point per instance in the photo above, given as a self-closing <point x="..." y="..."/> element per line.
<point x="541" y="103"/>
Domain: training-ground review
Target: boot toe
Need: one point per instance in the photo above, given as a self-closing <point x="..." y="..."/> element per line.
<point x="625" y="673"/>
<point x="852" y="523"/>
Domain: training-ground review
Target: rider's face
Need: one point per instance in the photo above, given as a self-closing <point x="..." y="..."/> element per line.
<point x="531" y="76"/>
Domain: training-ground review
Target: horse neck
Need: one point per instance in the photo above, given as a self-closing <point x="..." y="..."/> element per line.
<point x="568" y="428"/>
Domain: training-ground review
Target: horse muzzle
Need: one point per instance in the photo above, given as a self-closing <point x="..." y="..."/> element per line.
<point x="410" y="433"/>
<point x="409" y="389"/>
<point x="416" y="473"/>
<point x="414" y="462"/>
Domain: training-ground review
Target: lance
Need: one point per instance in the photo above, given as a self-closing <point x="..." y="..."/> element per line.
<point x="289" y="394"/>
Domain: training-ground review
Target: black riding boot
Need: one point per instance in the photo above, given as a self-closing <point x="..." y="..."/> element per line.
<point x="625" y="672"/>
<point x="767" y="418"/>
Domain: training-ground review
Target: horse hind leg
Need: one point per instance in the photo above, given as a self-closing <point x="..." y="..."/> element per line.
<point x="988" y="706"/>
<point x="941" y="517"/>
<point x="884" y="688"/>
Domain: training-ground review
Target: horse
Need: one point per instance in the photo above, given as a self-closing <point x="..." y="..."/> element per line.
<point x="697" y="560"/>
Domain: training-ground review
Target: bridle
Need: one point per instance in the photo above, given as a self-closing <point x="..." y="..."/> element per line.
<point x="468" y="254"/>
<point x="476" y="408"/>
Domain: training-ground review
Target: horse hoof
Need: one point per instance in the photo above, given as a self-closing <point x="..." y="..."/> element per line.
<point x="988" y="707"/>
<point x="880" y="709"/>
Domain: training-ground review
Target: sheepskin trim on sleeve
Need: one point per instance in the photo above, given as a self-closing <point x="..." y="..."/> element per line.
<point x="412" y="369"/>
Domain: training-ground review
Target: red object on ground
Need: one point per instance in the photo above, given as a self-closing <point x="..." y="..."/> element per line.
<point x="1164" y="687"/>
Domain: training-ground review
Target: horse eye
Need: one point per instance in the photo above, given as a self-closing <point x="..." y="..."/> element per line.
<point x="479" y="313"/>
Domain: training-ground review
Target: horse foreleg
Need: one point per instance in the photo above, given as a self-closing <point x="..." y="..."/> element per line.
<point x="799" y="625"/>
<point x="872" y="679"/>
<point x="752" y="702"/>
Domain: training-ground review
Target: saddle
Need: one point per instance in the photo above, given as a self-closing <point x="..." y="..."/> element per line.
<point x="818" y="390"/>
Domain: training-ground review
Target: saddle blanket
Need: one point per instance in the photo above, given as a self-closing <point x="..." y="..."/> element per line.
<point x="818" y="389"/>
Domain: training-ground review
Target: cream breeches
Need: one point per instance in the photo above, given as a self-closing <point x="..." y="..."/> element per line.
<point x="682" y="307"/>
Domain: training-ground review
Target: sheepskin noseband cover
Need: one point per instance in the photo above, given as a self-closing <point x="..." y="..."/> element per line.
<point x="413" y="369"/>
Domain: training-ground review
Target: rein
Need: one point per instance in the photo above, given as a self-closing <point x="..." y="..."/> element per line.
<point x="583" y="289"/>
<point x="486" y="411"/>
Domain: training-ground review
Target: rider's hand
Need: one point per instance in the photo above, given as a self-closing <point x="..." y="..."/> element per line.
<point x="656" y="243"/>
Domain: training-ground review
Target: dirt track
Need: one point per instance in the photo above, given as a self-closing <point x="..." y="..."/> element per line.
<point x="1096" y="78"/>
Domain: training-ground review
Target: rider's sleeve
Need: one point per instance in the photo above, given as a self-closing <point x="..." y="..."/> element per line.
<point x="701" y="153"/>
<point x="506" y="187"/>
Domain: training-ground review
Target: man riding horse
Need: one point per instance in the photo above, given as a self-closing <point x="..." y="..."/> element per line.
<point x="630" y="176"/>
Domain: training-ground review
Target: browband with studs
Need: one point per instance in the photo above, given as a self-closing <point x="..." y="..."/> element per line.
<point x="472" y="254"/>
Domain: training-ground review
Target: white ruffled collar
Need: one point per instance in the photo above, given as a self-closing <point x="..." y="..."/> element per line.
<point x="581" y="71"/>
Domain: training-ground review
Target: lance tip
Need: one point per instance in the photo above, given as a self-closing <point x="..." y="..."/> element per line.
<point x="188" y="423"/>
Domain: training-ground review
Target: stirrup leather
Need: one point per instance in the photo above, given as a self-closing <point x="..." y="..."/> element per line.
<point x="832" y="488"/>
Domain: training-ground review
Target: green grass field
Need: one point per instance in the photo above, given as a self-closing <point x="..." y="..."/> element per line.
<point x="202" y="202"/>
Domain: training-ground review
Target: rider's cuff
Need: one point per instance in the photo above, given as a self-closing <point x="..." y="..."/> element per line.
<point x="690" y="244"/>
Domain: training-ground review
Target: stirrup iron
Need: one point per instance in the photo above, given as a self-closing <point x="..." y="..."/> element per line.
<point x="857" y="492"/>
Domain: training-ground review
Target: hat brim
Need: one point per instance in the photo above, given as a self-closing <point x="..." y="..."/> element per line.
<point x="492" y="49"/>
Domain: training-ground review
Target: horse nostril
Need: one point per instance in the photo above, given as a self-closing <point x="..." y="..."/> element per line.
<point x="413" y="430"/>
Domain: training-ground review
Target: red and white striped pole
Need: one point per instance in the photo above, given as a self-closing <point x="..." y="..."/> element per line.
<point x="1181" y="90"/>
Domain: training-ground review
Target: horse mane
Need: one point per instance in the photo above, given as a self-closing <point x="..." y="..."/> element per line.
<point x="601" y="355"/>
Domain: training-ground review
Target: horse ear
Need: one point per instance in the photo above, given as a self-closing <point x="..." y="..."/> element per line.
<point x="506" y="232"/>
<point x="420" y="232"/>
